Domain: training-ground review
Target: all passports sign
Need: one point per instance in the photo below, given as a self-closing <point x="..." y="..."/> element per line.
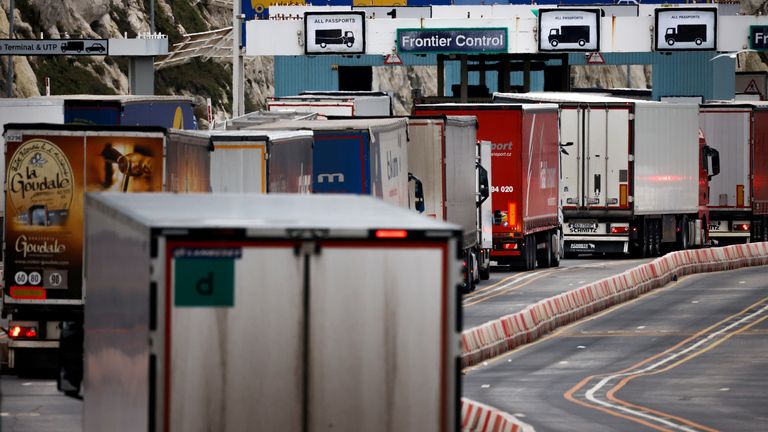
<point x="334" y="32"/>
<point x="452" y="41"/>
<point x="686" y="29"/>
<point x="36" y="47"/>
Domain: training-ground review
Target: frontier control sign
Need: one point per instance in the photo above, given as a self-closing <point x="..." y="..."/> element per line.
<point x="452" y="41"/>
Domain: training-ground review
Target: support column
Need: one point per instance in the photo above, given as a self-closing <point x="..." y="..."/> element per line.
<point x="141" y="76"/>
<point x="11" y="15"/>
<point x="238" y="103"/>
<point x="464" y="79"/>
<point x="441" y="75"/>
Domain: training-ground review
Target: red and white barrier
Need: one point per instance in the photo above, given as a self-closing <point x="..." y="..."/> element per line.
<point x="477" y="417"/>
<point x="504" y="334"/>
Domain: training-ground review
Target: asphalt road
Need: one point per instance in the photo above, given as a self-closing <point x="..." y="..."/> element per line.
<point x="34" y="405"/>
<point x="691" y="356"/>
<point x="508" y="292"/>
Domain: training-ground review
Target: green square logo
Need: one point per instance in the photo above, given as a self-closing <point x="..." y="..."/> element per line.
<point x="204" y="282"/>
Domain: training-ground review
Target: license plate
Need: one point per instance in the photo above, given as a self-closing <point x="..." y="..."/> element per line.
<point x="716" y="226"/>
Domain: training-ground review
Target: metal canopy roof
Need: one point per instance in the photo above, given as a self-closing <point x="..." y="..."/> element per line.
<point x="210" y="44"/>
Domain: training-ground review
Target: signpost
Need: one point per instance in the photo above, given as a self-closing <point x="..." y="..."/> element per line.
<point x="686" y="29"/>
<point x="39" y="47"/>
<point x="452" y="41"/>
<point x="758" y="37"/>
<point x="334" y="32"/>
<point x="562" y="30"/>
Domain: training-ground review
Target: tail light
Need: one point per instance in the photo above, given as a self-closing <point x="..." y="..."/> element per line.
<point x="512" y="246"/>
<point x="22" y="332"/>
<point x="619" y="229"/>
<point x="740" y="226"/>
<point x="391" y="234"/>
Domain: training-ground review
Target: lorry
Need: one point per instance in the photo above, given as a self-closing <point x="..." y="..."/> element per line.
<point x="164" y="111"/>
<point x="358" y="156"/>
<point x="49" y="169"/>
<point x="634" y="173"/>
<point x="696" y="33"/>
<point x="738" y="206"/>
<point x="325" y="37"/>
<point x="256" y="161"/>
<point x="349" y="104"/>
<point x="190" y="333"/>
<point x="442" y="153"/>
<point x="524" y="178"/>
<point x="569" y="34"/>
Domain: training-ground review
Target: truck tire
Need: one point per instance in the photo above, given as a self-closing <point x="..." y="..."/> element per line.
<point x="554" y="241"/>
<point x="582" y="42"/>
<point x="656" y="236"/>
<point x="554" y="42"/>
<point x="698" y="41"/>
<point x="323" y="45"/>
<point x="485" y="265"/>
<point x="683" y="240"/>
<point x="645" y="246"/>
<point x="530" y="252"/>
<point x="544" y="256"/>
<point x="670" y="42"/>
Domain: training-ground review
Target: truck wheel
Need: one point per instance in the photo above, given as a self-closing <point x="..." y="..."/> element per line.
<point x="670" y="42"/>
<point x="645" y="246"/>
<point x="530" y="252"/>
<point x="554" y="242"/>
<point x="349" y="44"/>
<point x="544" y="256"/>
<point x="554" y="42"/>
<point x="683" y="233"/>
<point x="698" y="41"/>
<point x="656" y="233"/>
<point x="582" y="42"/>
<point x="323" y="45"/>
<point x="485" y="272"/>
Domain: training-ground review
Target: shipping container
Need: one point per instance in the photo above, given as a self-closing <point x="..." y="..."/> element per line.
<point x="442" y="154"/>
<point x="738" y="202"/>
<point x="269" y="313"/>
<point x="631" y="173"/>
<point x="49" y="170"/>
<point x="357" y="156"/>
<point x="256" y="161"/>
<point x="524" y="181"/>
<point x="349" y="104"/>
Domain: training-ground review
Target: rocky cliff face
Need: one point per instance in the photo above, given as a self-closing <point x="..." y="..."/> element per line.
<point x="212" y="79"/>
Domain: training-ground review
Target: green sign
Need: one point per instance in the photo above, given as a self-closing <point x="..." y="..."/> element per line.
<point x="204" y="282"/>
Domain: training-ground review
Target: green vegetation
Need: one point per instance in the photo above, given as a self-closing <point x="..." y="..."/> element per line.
<point x="189" y="17"/>
<point x="208" y="79"/>
<point x="68" y="76"/>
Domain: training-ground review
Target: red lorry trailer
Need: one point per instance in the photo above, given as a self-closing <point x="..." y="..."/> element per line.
<point x="738" y="204"/>
<point x="524" y="178"/>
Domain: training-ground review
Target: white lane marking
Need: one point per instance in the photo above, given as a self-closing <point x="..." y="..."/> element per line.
<point x="591" y="393"/>
<point x="485" y="386"/>
<point x="580" y="347"/>
<point x="22" y="414"/>
<point x="581" y="282"/>
<point x="741" y="282"/>
<point x="39" y="384"/>
<point x="501" y="287"/>
<point x="519" y="415"/>
<point x="725" y="389"/>
<point x="564" y="362"/>
<point x="695" y="302"/>
<point x="640" y="327"/>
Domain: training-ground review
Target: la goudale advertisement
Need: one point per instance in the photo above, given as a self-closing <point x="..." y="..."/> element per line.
<point x="46" y="178"/>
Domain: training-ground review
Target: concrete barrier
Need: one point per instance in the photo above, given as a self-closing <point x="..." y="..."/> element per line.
<point x="477" y="417"/>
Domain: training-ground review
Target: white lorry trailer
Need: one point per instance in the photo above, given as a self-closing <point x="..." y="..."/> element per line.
<point x="234" y="312"/>
<point x="345" y="104"/>
<point x="442" y="154"/>
<point x="738" y="204"/>
<point x="632" y="179"/>
<point x="256" y="161"/>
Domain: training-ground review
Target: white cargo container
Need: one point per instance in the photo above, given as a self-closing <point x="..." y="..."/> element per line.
<point x="235" y="312"/>
<point x="442" y="154"/>
<point x="346" y="104"/>
<point x="256" y="161"/>
<point x="631" y="173"/>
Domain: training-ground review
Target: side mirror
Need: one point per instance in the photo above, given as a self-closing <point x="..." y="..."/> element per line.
<point x="562" y="147"/>
<point x="711" y="161"/>
<point x="418" y="192"/>
<point x="485" y="190"/>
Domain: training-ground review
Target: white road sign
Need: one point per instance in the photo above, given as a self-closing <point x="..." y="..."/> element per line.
<point x="569" y="30"/>
<point x="35" y="47"/>
<point x="334" y="32"/>
<point x="683" y="29"/>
